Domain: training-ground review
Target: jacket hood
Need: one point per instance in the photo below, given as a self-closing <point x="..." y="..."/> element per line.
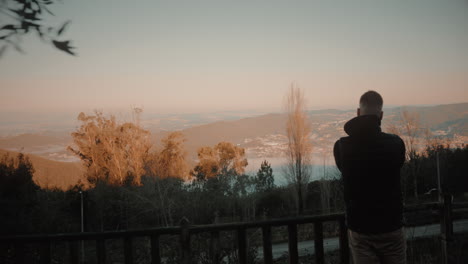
<point x="362" y="126"/>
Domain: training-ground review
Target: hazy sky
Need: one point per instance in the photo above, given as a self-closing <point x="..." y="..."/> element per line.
<point x="192" y="56"/>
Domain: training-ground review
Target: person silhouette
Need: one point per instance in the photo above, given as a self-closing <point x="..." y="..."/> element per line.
<point x="370" y="162"/>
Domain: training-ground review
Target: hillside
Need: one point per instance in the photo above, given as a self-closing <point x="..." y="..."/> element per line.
<point x="439" y="116"/>
<point x="327" y="126"/>
<point x="50" y="174"/>
<point x="29" y="141"/>
<point x="262" y="136"/>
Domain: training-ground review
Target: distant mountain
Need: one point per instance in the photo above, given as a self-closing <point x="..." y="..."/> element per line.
<point x="262" y="136"/>
<point x="452" y="117"/>
<point x="435" y="117"/>
<point x="235" y="131"/>
<point x="50" y="174"/>
<point x="46" y="144"/>
<point x="29" y="141"/>
<point x="63" y="123"/>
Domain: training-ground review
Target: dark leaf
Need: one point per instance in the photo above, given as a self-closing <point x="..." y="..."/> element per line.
<point x="64" y="46"/>
<point x="31" y="16"/>
<point x="17" y="47"/>
<point x="9" y="27"/>
<point x="31" y="24"/>
<point x="39" y="32"/>
<point x="19" y="12"/>
<point x="48" y="11"/>
<point x="27" y="25"/>
<point x="2" y="50"/>
<point x="36" y="6"/>
<point x="63" y="28"/>
<point x="6" y="36"/>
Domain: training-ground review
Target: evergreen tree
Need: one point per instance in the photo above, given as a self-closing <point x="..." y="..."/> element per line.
<point x="18" y="192"/>
<point x="264" y="180"/>
<point x="16" y="177"/>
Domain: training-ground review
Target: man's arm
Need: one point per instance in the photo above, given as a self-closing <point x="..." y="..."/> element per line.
<point x="337" y="154"/>
<point x="402" y="153"/>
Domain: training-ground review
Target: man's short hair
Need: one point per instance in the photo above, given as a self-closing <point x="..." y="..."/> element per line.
<point x="371" y="102"/>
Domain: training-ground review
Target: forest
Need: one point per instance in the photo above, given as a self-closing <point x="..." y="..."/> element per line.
<point x="129" y="185"/>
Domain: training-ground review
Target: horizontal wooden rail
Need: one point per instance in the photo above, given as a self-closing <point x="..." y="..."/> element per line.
<point x="199" y="228"/>
<point x="422" y="207"/>
<point x="186" y="230"/>
<point x="91" y="235"/>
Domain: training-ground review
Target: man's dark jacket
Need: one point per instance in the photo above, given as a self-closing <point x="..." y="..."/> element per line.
<point x="370" y="162"/>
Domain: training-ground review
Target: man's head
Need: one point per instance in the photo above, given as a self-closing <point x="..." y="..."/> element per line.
<point x="370" y="104"/>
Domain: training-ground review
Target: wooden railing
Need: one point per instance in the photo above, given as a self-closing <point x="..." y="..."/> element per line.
<point x="185" y="231"/>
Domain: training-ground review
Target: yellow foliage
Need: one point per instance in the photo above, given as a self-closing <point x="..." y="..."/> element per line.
<point x="223" y="158"/>
<point x="111" y="151"/>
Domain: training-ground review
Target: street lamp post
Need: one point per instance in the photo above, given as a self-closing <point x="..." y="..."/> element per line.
<point x="439" y="187"/>
<point x="82" y="228"/>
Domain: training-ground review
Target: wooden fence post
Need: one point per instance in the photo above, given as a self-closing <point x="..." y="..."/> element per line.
<point x="242" y="245"/>
<point x="155" y="255"/>
<point x="446" y="226"/>
<point x="73" y="248"/>
<point x="292" y="243"/>
<point x="214" y="247"/>
<point x="128" y="250"/>
<point x="214" y="242"/>
<point x="267" y="245"/>
<point x="185" y="240"/>
<point x="101" y="251"/>
<point x="45" y="252"/>
<point x="344" y="247"/>
<point x="19" y="252"/>
<point x="318" y="234"/>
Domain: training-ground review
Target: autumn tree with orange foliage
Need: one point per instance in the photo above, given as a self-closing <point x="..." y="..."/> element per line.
<point x="299" y="148"/>
<point x="112" y="152"/>
<point x="223" y="159"/>
<point x="172" y="160"/>
<point x="409" y="128"/>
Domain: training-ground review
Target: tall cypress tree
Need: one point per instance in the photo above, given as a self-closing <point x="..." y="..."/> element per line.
<point x="264" y="180"/>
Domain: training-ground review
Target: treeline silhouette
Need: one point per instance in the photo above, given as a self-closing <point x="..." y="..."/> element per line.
<point x="129" y="184"/>
<point x="452" y="173"/>
<point x="156" y="202"/>
<point x="225" y="197"/>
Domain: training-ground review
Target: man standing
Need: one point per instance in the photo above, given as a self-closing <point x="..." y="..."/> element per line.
<point x="370" y="162"/>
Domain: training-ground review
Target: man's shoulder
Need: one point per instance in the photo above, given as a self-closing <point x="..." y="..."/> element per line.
<point x="393" y="137"/>
<point x="383" y="136"/>
<point x="342" y="139"/>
